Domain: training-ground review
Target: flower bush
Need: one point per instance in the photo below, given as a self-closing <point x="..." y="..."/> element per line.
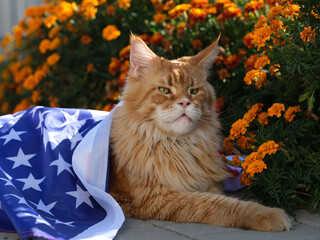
<point x="68" y="53"/>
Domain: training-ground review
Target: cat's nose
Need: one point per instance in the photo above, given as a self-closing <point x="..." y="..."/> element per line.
<point x="184" y="103"/>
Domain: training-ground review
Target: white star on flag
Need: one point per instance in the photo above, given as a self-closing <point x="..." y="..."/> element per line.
<point x="46" y="208"/>
<point x="33" y="111"/>
<point x="8" y="182"/>
<point x="62" y="165"/>
<point x="31" y="182"/>
<point x="50" y="137"/>
<point x="76" y="138"/>
<point x="21" y="159"/>
<point x="70" y="118"/>
<point x="64" y="223"/>
<point x="12" y="135"/>
<point x="81" y="196"/>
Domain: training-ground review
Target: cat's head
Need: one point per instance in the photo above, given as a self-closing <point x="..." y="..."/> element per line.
<point x="174" y="95"/>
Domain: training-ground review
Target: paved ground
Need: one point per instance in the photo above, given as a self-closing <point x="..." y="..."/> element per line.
<point x="307" y="227"/>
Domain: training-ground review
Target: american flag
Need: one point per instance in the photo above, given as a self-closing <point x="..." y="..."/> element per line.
<point x="54" y="174"/>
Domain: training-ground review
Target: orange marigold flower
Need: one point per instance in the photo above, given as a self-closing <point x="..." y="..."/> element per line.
<point x="274" y="12"/>
<point x="53" y="101"/>
<point x="181" y="28"/>
<point x="276" y="109"/>
<point x="218" y="60"/>
<point x="6" y="40"/>
<point x="290" y="113"/>
<point x="256" y="77"/>
<point x="44" y="45"/>
<point x="307" y="34"/>
<point x="196" y="43"/>
<point x="33" y="25"/>
<point x="124" y="52"/>
<point x="245" y="179"/>
<point x="30" y="82"/>
<point x="253" y="157"/>
<point x="55" y="43"/>
<point x="260" y="36"/>
<point x="18" y="32"/>
<point x="64" y="10"/>
<point x="220" y="102"/>
<point x="90" y="12"/>
<point x="221" y="3"/>
<point x="114" y="66"/>
<point x="253" y="112"/>
<point x="197" y="15"/>
<point x="245" y="142"/>
<point x="249" y="63"/>
<point x="254" y="5"/>
<point x="256" y="167"/>
<point x="262" y="21"/>
<point x="156" y="38"/>
<point x="263" y="118"/>
<point x="179" y="10"/>
<point x="291" y="11"/>
<point x="89" y="3"/>
<point x="232" y="61"/>
<point x="274" y="68"/>
<point x="50" y="21"/>
<point x="125" y="4"/>
<point x="110" y="32"/>
<point x="227" y="145"/>
<point x="86" y="39"/>
<point x="90" y="67"/>
<point x="111" y="10"/>
<point x="122" y="78"/>
<point x="53" y="32"/>
<point x="269" y="147"/>
<point x="53" y="59"/>
<point x="223" y="74"/>
<point x="247" y="39"/>
<point x="210" y="9"/>
<point x="35" y="97"/>
<point x="108" y="107"/>
<point x="236" y="161"/>
<point x="276" y="26"/>
<point x="261" y="62"/>
<point x="231" y="11"/>
<point x="23" y="105"/>
<point x="159" y="17"/>
<point x="315" y="14"/>
<point x="199" y="3"/>
<point x="238" y="128"/>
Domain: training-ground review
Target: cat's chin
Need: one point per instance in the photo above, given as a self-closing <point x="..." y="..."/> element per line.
<point x="181" y="126"/>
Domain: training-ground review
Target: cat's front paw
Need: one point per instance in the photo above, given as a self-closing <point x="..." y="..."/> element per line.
<point x="271" y="220"/>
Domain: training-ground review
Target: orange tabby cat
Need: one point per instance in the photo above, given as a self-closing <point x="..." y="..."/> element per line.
<point x="165" y="141"/>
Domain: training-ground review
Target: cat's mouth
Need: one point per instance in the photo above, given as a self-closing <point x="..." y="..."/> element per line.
<point x="183" y="117"/>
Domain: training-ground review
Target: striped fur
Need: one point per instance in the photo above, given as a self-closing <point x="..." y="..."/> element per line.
<point x="165" y="162"/>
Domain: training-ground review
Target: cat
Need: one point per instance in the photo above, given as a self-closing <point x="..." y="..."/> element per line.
<point x="164" y="147"/>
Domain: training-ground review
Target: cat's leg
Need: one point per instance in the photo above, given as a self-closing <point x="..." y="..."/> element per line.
<point x="212" y="209"/>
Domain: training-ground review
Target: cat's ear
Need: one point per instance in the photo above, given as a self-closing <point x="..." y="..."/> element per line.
<point x="141" y="56"/>
<point x="206" y="57"/>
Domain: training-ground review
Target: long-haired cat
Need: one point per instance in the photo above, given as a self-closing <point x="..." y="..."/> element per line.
<point x="165" y="140"/>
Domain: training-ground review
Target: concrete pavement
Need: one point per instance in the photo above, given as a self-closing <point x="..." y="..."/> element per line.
<point x="306" y="227"/>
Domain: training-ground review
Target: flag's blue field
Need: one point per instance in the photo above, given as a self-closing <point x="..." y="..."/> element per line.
<point x="47" y="187"/>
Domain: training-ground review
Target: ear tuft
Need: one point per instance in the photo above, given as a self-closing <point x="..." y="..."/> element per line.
<point x="140" y="56"/>
<point x="207" y="55"/>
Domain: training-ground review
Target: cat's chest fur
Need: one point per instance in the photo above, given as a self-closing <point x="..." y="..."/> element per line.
<point x="145" y="155"/>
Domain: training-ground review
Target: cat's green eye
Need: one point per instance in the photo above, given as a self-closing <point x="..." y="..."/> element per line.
<point x="194" y="91"/>
<point x="164" y="90"/>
